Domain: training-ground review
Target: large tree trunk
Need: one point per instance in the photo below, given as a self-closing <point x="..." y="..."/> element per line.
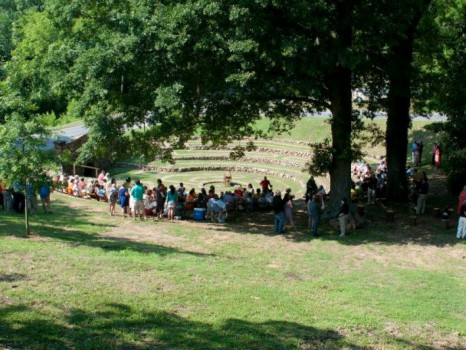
<point x="339" y="84"/>
<point x="399" y="71"/>
<point x="398" y="120"/>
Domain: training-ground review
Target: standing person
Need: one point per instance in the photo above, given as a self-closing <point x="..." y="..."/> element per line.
<point x="311" y="187"/>
<point x="31" y="195"/>
<point x="316" y="206"/>
<point x="413" y="151"/>
<point x="137" y="192"/>
<point x="421" y="199"/>
<point x="461" y="199"/>
<point x="278" y="205"/>
<point x="129" y="185"/>
<point x="420" y="147"/>
<point x="433" y="153"/>
<point x="112" y="198"/>
<point x="251" y="189"/>
<point x="18" y="197"/>
<point x="371" y="188"/>
<point x="265" y="184"/>
<point x="172" y="200"/>
<point x="461" y="232"/>
<point x="44" y="194"/>
<point x="123" y="195"/>
<point x="160" y="197"/>
<point x="438" y="156"/>
<point x="343" y="216"/>
<point x="7" y="201"/>
<point x="288" y="207"/>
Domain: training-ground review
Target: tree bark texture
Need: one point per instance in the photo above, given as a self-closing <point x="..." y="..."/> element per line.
<point x="400" y="71"/>
<point x="339" y="84"/>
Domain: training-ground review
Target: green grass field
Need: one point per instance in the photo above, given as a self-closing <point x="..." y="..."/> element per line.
<point x="86" y="280"/>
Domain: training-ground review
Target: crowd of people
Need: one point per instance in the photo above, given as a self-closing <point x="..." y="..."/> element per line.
<point x="417" y="149"/>
<point x="140" y="201"/>
<point x="13" y="198"/>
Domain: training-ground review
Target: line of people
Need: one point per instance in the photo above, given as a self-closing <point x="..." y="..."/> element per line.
<point x="162" y="200"/>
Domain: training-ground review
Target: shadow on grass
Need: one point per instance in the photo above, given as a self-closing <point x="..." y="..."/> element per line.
<point x="428" y="231"/>
<point x="77" y="227"/>
<point x="117" y="326"/>
<point x="12" y="277"/>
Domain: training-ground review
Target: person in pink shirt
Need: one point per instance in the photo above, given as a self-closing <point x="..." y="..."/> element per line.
<point x="101" y="176"/>
<point x="462" y="198"/>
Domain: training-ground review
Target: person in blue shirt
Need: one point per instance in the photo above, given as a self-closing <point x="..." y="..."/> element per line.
<point x="137" y="192"/>
<point x="316" y="206"/>
<point x="123" y="197"/>
<point x="44" y="193"/>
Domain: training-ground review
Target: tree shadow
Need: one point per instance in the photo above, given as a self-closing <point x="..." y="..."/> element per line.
<point x="427" y="232"/>
<point x="12" y="277"/>
<point x="118" y="326"/>
<point x="63" y="225"/>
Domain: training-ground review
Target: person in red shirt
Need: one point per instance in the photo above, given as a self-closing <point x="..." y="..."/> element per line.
<point x="266" y="185"/>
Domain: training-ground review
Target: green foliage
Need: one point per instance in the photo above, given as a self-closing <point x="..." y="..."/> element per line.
<point x="442" y="64"/>
<point x="321" y="161"/>
<point x="24" y="160"/>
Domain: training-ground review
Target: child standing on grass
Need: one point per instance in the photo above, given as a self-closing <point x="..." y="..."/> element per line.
<point x="123" y="195"/>
<point x="112" y="199"/>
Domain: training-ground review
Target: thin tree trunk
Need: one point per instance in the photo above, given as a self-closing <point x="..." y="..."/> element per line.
<point x="26" y="214"/>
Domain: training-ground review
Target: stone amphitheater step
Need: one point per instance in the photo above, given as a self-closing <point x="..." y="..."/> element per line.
<point x="216" y="168"/>
<point x="254" y="160"/>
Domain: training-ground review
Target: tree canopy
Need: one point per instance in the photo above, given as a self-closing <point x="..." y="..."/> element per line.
<point x="174" y="68"/>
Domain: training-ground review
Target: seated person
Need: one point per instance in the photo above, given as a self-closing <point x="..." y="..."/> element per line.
<point x="81" y="184"/>
<point x="190" y="202"/>
<point x="218" y="208"/>
<point x="262" y="202"/>
<point x="181" y="196"/>
<point x="354" y="194"/>
<point x="76" y="190"/>
<point x="409" y="171"/>
<point x="212" y="194"/>
<point x="90" y="191"/>
<point x="201" y="201"/>
<point x="150" y="204"/>
<point x="69" y="188"/>
<point x="269" y="198"/>
<point x="249" y="202"/>
<point x="257" y="195"/>
<point x="228" y="198"/>
<point x="101" y="193"/>
<point x="321" y="192"/>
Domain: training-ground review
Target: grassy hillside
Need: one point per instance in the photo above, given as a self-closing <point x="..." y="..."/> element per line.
<point x="85" y="280"/>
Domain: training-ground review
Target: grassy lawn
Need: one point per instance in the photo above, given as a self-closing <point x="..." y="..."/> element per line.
<point x="85" y="280"/>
